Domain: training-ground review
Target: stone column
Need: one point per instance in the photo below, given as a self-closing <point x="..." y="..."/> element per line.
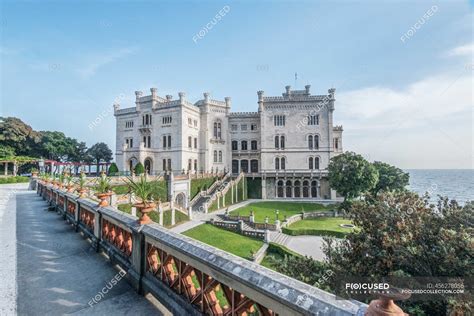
<point x="173" y="216"/>
<point x="160" y="210"/>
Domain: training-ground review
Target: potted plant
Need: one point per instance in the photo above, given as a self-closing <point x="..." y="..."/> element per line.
<point x="143" y="190"/>
<point x="102" y="189"/>
<point x="81" y="183"/>
<point x="61" y="180"/>
<point x="34" y="172"/>
<point x="69" y="183"/>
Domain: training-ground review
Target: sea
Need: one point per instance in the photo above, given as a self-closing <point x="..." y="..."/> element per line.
<point x="457" y="184"/>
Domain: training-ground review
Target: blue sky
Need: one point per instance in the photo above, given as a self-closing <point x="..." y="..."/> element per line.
<point x="407" y="102"/>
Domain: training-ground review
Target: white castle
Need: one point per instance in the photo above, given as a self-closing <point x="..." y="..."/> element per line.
<point x="287" y="144"/>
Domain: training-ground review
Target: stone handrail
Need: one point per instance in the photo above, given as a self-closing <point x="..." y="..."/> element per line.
<point x="185" y="274"/>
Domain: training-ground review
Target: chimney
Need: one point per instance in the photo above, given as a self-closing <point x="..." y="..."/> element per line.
<point x="307" y="87"/>
<point x="169" y="97"/>
<point x="138" y="94"/>
<point x="288" y="90"/>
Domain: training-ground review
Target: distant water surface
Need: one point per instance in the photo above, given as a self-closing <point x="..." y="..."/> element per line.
<point x="456" y="184"/>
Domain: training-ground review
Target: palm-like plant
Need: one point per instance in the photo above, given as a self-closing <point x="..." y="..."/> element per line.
<point x="102" y="185"/>
<point x="81" y="181"/>
<point x="142" y="189"/>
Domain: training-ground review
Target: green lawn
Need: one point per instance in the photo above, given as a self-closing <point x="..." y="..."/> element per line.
<point x="319" y="226"/>
<point x="200" y="184"/>
<point x="155" y="216"/>
<point x="234" y="243"/>
<point x="16" y="179"/>
<point x="263" y="209"/>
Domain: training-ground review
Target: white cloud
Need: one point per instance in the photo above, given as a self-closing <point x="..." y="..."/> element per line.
<point x="464" y="50"/>
<point x="91" y="68"/>
<point x="427" y="124"/>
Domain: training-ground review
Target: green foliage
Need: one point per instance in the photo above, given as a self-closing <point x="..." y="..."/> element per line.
<point x="400" y="233"/>
<point x="113" y="169"/>
<point x="102" y="185"/>
<point x="201" y="184"/>
<point x="179" y="218"/>
<point x="351" y="175"/>
<point x="254" y="188"/>
<point x="16" y="179"/>
<point x="16" y="137"/>
<point x="81" y="181"/>
<point x="312" y="231"/>
<point x="228" y="241"/>
<point x="390" y="178"/>
<point x="139" y="169"/>
<point x="141" y="188"/>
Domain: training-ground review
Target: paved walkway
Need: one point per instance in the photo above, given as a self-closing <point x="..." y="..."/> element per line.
<point x="57" y="272"/>
<point x="200" y="218"/>
<point x="311" y="246"/>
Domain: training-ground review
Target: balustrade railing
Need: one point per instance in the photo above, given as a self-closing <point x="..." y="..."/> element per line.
<point x="187" y="276"/>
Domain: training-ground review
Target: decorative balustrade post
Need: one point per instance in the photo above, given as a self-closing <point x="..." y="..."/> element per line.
<point x="138" y="259"/>
<point x="267" y="236"/>
<point x="160" y="210"/>
<point x="97" y="230"/>
<point x="173" y="216"/>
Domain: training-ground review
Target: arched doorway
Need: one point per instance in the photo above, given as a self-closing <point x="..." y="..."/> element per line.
<point x="288" y="189"/>
<point x="180" y="201"/>
<point x="148" y="165"/>
<point x="314" y="189"/>
<point x="305" y="189"/>
<point x="297" y="188"/>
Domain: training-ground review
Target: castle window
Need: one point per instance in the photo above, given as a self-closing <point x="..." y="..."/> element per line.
<point x="310" y="163"/>
<point x="316" y="142"/>
<point x="164" y="141"/>
<point x="336" y="143"/>
<point x="149" y="141"/>
<point x="253" y="145"/>
<point x="190" y="142"/>
<point x="167" y="120"/>
<point x="243" y="145"/>
<point x="253" y="165"/>
<point x="244" y="165"/>
<point x="243" y="127"/>
<point x="234" y="127"/>
<point x="169" y="141"/>
<point x="310" y="141"/>
<point x="316" y="163"/>
<point x="234" y="145"/>
<point x="217" y="130"/>
<point x="277" y="163"/>
<point x="215" y="155"/>
<point x="277" y="142"/>
<point x="283" y="163"/>
<point x="164" y="164"/>
<point x="190" y="163"/>
<point x="195" y="123"/>
<point x="220" y="156"/>
<point x="129" y="124"/>
<point x="279" y="120"/>
<point x="195" y="143"/>
<point x="169" y="165"/>
<point x="282" y="142"/>
<point x="313" y="119"/>
<point x="195" y="164"/>
<point x="253" y="127"/>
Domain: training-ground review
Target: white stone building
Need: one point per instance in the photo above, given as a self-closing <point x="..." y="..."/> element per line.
<point x="287" y="144"/>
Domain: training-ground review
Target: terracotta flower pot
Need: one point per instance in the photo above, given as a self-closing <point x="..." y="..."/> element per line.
<point x="82" y="193"/>
<point x="103" y="198"/>
<point x="70" y="188"/>
<point x="34" y="174"/>
<point x="144" y="210"/>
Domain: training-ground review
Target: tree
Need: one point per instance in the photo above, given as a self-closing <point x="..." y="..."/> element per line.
<point x="100" y="152"/>
<point x="401" y="234"/>
<point x="351" y="175"/>
<point x="56" y="146"/>
<point x="17" y="135"/>
<point x="390" y="178"/>
<point x="139" y="169"/>
<point x="113" y="169"/>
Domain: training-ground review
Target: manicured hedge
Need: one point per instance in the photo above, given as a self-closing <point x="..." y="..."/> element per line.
<point x="254" y="188"/>
<point x="16" y="179"/>
<point x="316" y="232"/>
<point x="281" y="250"/>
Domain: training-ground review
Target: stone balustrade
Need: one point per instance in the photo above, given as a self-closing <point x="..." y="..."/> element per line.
<point x="187" y="276"/>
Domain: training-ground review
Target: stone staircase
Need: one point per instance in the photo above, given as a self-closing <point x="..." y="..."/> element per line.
<point x="279" y="238"/>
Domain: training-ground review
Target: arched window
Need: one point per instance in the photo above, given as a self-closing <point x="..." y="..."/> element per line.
<point x="235" y="166"/>
<point x="277" y="142"/>
<point x="282" y="142"/>
<point x="254" y="165"/>
<point x="164" y="164"/>
<point x="305" y="189"/>
<point x="310" y="160"/>
<point x="243" y="145"/>
<point x="244" y="165"/>
<point x="297" y="188"/>
<point x="316" y="142"/>
<point x="220" y="156"/>
<point x="314" y="189"/>
<point x="277" y="163"/>
<point x="288" y="189"/>
<point x="310" y="141"/>
<point x="282" y="163"/>
<point x="215" y="129"/>
<point x="280" y="188"/>
<point x="234" y="145"/>
<point x="253" y="145"/>
<point x="215" y="155"/>
<point x="190" y="141"/>
<point x="316" y="163"/>
<point x="219" y="130"/>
